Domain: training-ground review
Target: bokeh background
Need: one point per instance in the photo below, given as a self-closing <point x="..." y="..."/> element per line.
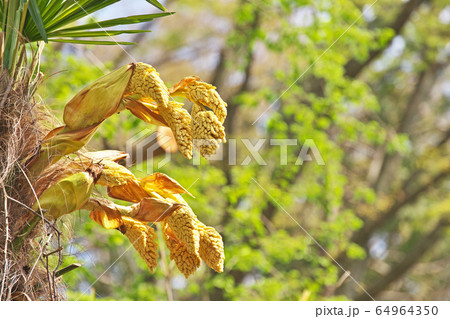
<point x="368" y="82"/>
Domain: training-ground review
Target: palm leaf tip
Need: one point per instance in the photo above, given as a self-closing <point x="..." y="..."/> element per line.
<point x="33" y="9"/>
<point x="156" y="4"/>
<point x="53" y="20"/>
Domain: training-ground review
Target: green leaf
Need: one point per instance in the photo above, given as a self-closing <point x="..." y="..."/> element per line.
<point x="91" y="42"/>
<point x="77" y="11"/>
<point x="118" y="21"/>
<point x="355" y="251"/>
<point x="67" y="269"/>
<point x="156" y="4"/>
<point x="36" y="15"/>
<point x="53" y="9"/>
<point x="24" y="232"/>
<point x="45" y="19"/>
<point x="11" y="34"/>
<point x="87" y="34"/>
<point x="3" y="15"/>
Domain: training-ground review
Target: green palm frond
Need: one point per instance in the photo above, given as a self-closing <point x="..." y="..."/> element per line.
<point x="27" y="21"/>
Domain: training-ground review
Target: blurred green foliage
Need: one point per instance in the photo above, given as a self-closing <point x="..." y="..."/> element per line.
<point x="268" y="214"/>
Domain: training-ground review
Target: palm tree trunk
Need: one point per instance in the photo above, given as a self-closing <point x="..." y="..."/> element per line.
<point x="25" y="272"/>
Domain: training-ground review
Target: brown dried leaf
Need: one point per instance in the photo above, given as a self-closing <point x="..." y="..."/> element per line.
<point x="102" y="204"/>
<point x="110" y="155"/>
<point x="68" y="141"/>
<point x="131" y="191"/>
<point x="154" y="210"/>
<point x="162" y="184"/>
<point x="109" y="220"/>
<point x="142" y="111"/>
<point x="99" y="100"/>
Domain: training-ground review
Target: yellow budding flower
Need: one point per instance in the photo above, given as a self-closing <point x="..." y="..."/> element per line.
<point x="201" y="93"/>
<point x="115" y="91"/>
<point x="210" y="242"/>
<point x="185" y="261"/>
<point x="173" y="115"/>
<point x="179" y="121"/>
<point x="183" y="224"/>
<point x="114" y="174"/>
<point x="138" y="88"/>
<point x="121" y="89"/>
<point x="146" y="83"/>
<point x="142" y="237"/>
<point x="207" y="131"/>
<point x="211" y="247"/>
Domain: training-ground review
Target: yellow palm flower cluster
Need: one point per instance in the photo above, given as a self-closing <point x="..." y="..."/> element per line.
<point x="157" y="199"/>
<point x="138" y="88"/>
<point x="207" y="128"/>
<point x="143" y="239"/>
<point x="203" y="243"/>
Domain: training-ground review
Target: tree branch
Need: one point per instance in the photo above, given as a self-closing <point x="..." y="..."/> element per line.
<point x="249" y="59"/>
<point x="421" y="90"/>
<point x="353" y="68"/>
<point x="411" y="258"/>
<point x="362" y="236"/>
<point x="216" y="79"/>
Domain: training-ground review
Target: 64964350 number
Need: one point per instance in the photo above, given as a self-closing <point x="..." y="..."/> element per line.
<point x="405" y="310"/>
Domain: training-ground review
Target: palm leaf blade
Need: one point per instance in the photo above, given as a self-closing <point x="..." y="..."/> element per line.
<point x="87" y="34"/>
<point x="37" y="18"/>
<point x="78" y="41"/>
<point x="156" y="4"/>
<point x="118" y="21"/>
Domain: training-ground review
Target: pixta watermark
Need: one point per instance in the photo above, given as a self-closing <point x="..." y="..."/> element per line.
<point x="144" y="147"/>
